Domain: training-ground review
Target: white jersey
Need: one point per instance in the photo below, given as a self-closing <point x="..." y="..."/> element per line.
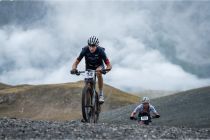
<point x="140" y="108"/>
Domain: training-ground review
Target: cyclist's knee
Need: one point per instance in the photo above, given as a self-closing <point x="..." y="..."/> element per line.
<point x="99" y="75"/>
<point x="99" y="68"/>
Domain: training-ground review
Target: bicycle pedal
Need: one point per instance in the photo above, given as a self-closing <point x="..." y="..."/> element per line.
<point x="83" y="120"/>
<point x="101" y="103"/>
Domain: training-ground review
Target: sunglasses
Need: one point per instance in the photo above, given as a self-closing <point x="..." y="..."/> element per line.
<point x="92" y="46"/>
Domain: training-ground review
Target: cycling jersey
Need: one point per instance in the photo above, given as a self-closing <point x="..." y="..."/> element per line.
<point x="140" y="108"/>
<point x="93" y="60"/>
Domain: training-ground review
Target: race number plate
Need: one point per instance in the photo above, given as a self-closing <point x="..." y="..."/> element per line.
<point x="144" y="118"/>
<point x="89" y="74"/>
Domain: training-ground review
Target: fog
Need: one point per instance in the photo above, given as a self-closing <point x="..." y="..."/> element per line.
<point x="151" y="45"/>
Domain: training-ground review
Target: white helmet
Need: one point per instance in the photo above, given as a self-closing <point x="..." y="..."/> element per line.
<point x="93" y="40"/>
<point x="145" y="100"/>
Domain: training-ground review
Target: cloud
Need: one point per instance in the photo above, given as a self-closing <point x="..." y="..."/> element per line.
<point x="141" y="40"/>
<point x="149" y="69"/>
<point x="188" y="24"/>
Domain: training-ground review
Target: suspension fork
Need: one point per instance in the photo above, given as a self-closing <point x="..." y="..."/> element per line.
<point x="94" y="88"/>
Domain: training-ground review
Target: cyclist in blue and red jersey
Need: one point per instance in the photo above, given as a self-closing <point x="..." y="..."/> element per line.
<point x="95" y="57"/>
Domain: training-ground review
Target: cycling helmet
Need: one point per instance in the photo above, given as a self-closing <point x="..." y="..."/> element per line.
<point x="93" y="40"/>
<point x="145" y="100"/>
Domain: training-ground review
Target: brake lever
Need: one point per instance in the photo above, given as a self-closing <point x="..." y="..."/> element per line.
<point x="103" y="72"/>
<point x="77" y="73"/>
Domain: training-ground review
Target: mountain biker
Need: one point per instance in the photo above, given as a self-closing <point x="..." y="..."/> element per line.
<point x="144" y="108"/>
<point x="95" y="57"/>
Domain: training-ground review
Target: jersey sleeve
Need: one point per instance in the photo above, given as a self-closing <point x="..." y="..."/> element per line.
<point x="81" y="55"/>
<point x="137" y="108"/>
<point x="104" y="57"/>
<point x="152" y="109"/>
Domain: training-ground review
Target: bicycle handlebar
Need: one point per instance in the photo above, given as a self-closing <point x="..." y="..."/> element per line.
<point x="152" y="117"/>
<point x="101" y="71"/>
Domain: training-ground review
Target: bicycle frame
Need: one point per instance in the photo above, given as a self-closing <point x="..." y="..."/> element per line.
<point x="91" y="83"/>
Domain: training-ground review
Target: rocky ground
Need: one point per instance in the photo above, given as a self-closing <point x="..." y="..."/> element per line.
<point x="183" y="116"/>
<point x="25" y="129"/>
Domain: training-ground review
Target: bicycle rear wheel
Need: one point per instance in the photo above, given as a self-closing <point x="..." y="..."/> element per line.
<point x="87" y="103"/>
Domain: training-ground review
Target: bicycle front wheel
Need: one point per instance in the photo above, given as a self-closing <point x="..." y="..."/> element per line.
<point x="97" y="108"/>
<point x="87" y="103"/>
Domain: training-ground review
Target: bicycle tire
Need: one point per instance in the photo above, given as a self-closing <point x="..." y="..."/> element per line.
<point x="97" y="108"/>
<point x="86" y="101"/>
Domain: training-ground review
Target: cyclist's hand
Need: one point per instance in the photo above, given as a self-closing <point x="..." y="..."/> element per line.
<point x="74" y="71"/>
<point x="157" y="116"/>
<point x="132" y="118"/>
<point x="103" y="71"/>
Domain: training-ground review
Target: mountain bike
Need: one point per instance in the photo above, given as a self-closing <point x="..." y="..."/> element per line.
<point x="91" y="107"/>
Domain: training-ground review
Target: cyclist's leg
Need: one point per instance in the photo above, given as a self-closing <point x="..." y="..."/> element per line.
<point x="100" y="85"/>
<point x="100" y="80"/>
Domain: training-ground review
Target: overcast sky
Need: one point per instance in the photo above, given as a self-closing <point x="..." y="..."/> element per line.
<point x="150" y="44"/>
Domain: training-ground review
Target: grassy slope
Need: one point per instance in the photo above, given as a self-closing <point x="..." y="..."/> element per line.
<point x="3" y="86"/>
<point x="54" y="102"/>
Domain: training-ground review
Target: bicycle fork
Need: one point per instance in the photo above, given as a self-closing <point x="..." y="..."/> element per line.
<point x="92" y="95"/>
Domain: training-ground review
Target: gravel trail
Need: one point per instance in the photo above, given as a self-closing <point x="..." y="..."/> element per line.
<point x="25" y="129"/>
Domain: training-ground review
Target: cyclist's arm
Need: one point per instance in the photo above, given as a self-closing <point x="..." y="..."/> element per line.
<point x="133" y="114"/>
<point x="108" y="65"/>
<point x="75" y="64"/>
<point x="81" y="55"/>
<point x="106" y="61"/>
<point x="153" y="110"/>
<point x="135" y="110"/>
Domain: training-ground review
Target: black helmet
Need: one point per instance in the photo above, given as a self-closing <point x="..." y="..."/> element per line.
<point x="93" y="40"/>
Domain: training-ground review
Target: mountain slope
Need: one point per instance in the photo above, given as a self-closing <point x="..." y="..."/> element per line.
<point x="190" y="109"/>
<point x="155" y="93"/>
<point x="114" y="124"/>
<point x="54" y="102"/>
<point x="3" y="86"/>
